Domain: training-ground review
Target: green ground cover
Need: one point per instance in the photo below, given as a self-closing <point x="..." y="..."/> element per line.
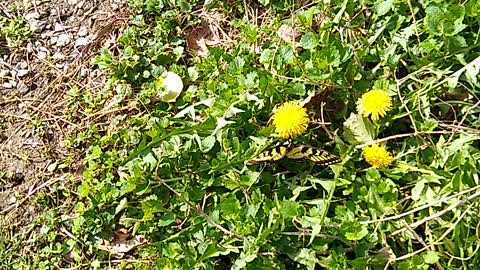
<point x="404" y="196"/>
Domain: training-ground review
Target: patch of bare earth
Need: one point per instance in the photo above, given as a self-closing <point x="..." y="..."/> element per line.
<point x="34" y="81"/>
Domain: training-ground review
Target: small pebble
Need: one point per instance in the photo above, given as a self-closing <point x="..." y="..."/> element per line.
<point x="83" y="31"/>
<point x="4" y="73"/>
<point x="80" y="4"/>
<point x="58" y="27"/>
<point x="33" y="15"/>
<point x="57" y="56"/>
<point x="53" y="40"/>
<point x="81" y="42"/>
<point x="22" y="72"/>
<point x="29" y="47"/>
<point x="22" y="87"/>
<point x="35" y="24"/>
<point x="63" y="40"/>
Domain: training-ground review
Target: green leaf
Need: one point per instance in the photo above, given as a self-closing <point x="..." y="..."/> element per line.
<point x="150" y="161"/>
<point x="460" y="144"/>
<point x="429" y="125"/>
<point x="250" y="80"/>
<point x="457" y="180"/>
<point x="472" y="8"/>
<point x="339" y="15"/>
<point x="309" y="41"/>
<point x="166" y="220"/>
<point x="471" y="71"/>
<point x="96" y="264"/>
<point x="306" y="257"/>
<point x="121" y="205"/>
<point x="284" y="55"/>
<point x="298" y="190"/>
<point x="127" y="186"/>
<point x="236" y="66"/>
<point x="431" y="257"/>
<point x="327" y="184"/>
<point x="184" y="5"/>
<point x="192" y="73"/>
<point x="354" y="231"/>
<point x="264" y="2"/>
<point x="289" y="209"/>
<point x="150" y="206"/>
<point x="248" y="254"/>
<point x="417" y="190"/>
<point x="312" y="222"/>
<point x="403" y="36"/>
<point x="229" y="207"/>
<point x="383" y="7"/>
<point x="358" y="129"/>
<point x="446" y="20"/>
<point x="307" y="16"/>
<point x="266" y="57"/>
<point x="212" y="250"/>
<point x="83" y="189"/>
<point x="207" y="144"/>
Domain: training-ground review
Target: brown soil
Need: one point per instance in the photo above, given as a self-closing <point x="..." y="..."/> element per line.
<point x="35" y="79"/>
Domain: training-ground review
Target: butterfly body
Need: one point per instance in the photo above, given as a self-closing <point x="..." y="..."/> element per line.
<point x="300" y="151"/>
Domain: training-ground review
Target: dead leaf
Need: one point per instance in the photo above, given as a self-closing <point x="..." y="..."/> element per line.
<point x="197" y="39"/>
<point x="208" y="34"/>
<point x="287" y="33"/>
<point x="122" y="243"/>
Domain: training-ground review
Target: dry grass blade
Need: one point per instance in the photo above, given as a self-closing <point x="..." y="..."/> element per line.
<point x="439" y="240"/>
<point x="437" y="215"/>
<point x="420" y="208"/>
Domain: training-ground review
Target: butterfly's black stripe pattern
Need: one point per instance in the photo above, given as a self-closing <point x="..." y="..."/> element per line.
<point x="306" y="152"/>
<point x="274" y="154"/>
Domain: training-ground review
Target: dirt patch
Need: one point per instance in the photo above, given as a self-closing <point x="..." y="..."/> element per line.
<point x="209" y="33"/>
<point x="35" y="79"/>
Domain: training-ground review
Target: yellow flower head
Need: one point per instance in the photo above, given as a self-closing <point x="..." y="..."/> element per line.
<point x="377" y="156"/>
<point x="375" y="103"/>
<point x="290" y="120"/>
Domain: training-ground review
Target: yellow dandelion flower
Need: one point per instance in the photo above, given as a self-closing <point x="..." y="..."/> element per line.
<point x="290" y="120"/>
<point x="375" y="103"/>
<point x="377" y="156"/>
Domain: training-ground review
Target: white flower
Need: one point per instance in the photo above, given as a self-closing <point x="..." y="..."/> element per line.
<point x="172" y="87"/>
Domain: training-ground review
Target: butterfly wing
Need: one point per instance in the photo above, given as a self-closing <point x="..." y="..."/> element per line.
<point x="318" y="156"/>
<point x="274" y="154"/>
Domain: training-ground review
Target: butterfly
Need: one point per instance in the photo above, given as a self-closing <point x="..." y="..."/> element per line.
<point x="299" y="151"/>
